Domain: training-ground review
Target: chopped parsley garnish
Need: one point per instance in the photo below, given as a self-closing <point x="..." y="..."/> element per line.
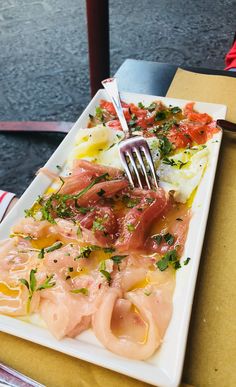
<point x="79" y="232"/>
<point x="99" y="113"/>
<point x="109" y="249"/>
<point x="186" y="261"/>
<point x="132" y="123"/>
<point x="48" y="283"/>
<point x="151" y="107"/>
<point x="157" y="238"/>
<point x="111" y="146"/>
<point x="117" y="259"/>
<point x="102" y="265"/>
<point x="98" y="225"/>
<point x="101" y="192"/>
<point x="130" y="227"/>
<point x="137" y="128"/>
<point x="161" y="115"/>
<point x="49" y="249"/>
<point x="28" y="237"/>
<point x="169" y="238"/>
<point x="56" y="246"/>
<point x="141" y="105"/>
<point x="83" y="210"/>
<point x="107" y="275"/>
<point x="56" y="205"/>
<point x="165" y="145"/>
<point x="130" y="202"/>
<point x="149" y="200"/>
<point x="31" y="285"/>
<point x="80" y="291"/>
<point x="41" y="254"/>
<point x="94" y="181"/>
<point x="170" y="258"/>
<point x="175" y="110"/>
<point x="29" y="213"/>
<point x="174" y="163"/>
<point x="170" y="162"/>
<point x="86" y="251"/>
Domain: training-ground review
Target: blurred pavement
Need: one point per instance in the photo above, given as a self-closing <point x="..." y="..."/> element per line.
<point x="44" y="60"/>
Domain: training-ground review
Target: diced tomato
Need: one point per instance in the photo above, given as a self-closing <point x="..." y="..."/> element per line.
<point x="127" y="114"/>
<point x="179" y="138"/>
<point x="124" y="104"/>
<point x="115" y="124"/>
<point x="198" y="133"/>
<point x="192" y="115"/>
<point x="140" y="113"/>
<point x="107" y="106"/>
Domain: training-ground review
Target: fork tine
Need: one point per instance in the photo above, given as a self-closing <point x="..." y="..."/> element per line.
<point x="126" y="168"/>
<point x="129" y="153"/>
<point x="139" y="156"/>
<point x="148" y="155"/>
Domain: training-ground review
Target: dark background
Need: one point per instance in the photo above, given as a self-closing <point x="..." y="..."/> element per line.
<point x="44" y="60"/>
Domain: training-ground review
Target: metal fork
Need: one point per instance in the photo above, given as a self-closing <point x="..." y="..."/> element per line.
<point x="131" y="146"/>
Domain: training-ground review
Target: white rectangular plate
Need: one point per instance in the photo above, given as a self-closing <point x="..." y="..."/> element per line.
<point x="165" y="367"/>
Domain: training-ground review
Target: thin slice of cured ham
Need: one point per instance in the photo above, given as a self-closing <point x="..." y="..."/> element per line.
<point x="139" y="219"/>
<point x="105" y="189"/>
<point x="83" y="172"/>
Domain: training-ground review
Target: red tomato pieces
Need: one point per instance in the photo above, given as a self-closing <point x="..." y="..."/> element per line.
<point x="188" y="127"/>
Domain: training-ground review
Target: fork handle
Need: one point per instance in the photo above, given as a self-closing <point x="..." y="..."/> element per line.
<point x="110" y="85"/>
<point x="226" y="125"/>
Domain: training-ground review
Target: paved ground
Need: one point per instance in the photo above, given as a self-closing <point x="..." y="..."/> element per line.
<point x="44" y="60"/>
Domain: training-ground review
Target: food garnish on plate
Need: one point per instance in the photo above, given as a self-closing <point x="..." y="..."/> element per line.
<point x="92" y="252"/>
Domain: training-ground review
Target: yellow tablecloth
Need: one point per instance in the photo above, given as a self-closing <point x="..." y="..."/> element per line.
<point x="211" y="350"/>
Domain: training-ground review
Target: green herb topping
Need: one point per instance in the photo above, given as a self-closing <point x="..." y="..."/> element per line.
<point x="107" y="275"/>
<point x="31" y="285"/>
<point x="165" y="145"/>
<point x="157" y="238"/>
<point x="117" y="259"/>
<point x="86" y="251"/>
<point x="49" y="249"/>
<point x="101" y="192"/>
<point x="169" y="239"/>
<point x="170" y="258"/>
<point x="80" y="291"/>
<point x="130" y="227"/>
<point x="130" y="202"/>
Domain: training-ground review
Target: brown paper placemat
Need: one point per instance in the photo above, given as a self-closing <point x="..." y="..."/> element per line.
<point x="57" y="370"/>
<point x="211" y="351"/>
<point x="205" y="88"/>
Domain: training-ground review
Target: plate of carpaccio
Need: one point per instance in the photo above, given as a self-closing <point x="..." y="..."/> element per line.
<point x="99" y="270"/>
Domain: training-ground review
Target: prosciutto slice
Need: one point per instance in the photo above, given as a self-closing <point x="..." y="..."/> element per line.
<point x="139" y="219"/>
